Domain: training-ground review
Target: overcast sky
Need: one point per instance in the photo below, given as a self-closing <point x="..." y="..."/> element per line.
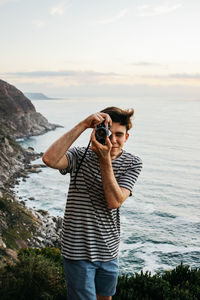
<point x="101" y="47"/>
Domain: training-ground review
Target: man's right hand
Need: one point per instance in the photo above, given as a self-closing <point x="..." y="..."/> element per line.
<point x="55" y="155"/>
<point x="95" y="119"/>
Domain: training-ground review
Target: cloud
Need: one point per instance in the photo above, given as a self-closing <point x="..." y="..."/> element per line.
<point x="185" y="76"/>
<point x="114" y="18"/>
<point x="144" y="64"/>
<point x="148" y="10"/>
<point x="38" y="23"/>
<point x="59" y="9"/>
<point x="193" y="76"/>
<point x="71" y="82"/>
<point x="91" y="83"/>
<point x="66" y="73"/>
<point x="66" y="77"/>
<point x="2" y="2"/>
<point x="85" y="75"/>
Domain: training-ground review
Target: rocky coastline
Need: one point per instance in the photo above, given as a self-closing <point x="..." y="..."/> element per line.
<point x="21" y="226"/>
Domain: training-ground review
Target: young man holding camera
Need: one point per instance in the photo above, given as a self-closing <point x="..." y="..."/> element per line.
<point x="99" y="184"/>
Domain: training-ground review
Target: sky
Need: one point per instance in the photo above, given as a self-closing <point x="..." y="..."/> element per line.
<point x="101" y="48"/>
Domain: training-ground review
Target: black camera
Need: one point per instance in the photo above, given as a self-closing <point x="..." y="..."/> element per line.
<point x="101" y="132"/>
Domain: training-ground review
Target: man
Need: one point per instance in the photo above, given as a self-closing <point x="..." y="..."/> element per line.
<point x="99" y="184"/>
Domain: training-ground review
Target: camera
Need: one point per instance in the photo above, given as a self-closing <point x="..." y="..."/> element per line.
<point x="101" y="131"/>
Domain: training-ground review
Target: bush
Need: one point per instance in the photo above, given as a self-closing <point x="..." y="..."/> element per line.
<point x="39" y="275"/>
<point x="182" y="283"/>
<point x="49" y="252"/>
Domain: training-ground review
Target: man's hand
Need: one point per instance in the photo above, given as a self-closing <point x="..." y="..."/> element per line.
<point x="114" y="194"/>
<point x="102" y="151"/>
<point x="95" y="119"/>
<point x="55" y="156"/>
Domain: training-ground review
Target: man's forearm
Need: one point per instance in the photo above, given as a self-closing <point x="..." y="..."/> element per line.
<point x="113" y="193"/>
<point x="57" y="150"/>
<point x="55" y="155"/>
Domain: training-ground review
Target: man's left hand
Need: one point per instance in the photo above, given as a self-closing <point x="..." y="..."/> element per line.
<point x="102" y="151"/>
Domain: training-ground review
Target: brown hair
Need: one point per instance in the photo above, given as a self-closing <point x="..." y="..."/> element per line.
<point x="120" y="115"/>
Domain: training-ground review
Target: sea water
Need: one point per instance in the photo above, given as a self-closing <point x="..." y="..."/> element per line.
<point x="160" y="222"/>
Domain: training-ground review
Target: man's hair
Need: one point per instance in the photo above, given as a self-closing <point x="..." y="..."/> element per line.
<point x="121" y="116"/>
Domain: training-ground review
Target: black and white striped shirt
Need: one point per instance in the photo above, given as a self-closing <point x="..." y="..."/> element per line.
<point x="91" y="231"/>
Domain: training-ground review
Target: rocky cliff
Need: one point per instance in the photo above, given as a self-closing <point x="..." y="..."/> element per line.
<point x="18" y="116"/>
<point x="19" y="226"/>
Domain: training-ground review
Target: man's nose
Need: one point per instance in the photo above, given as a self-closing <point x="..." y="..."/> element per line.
<point x="112" y="138"/>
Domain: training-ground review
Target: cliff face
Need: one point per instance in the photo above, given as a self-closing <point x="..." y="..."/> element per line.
<point x="20" y="227"/>
<point x="14" y="160"/>
<point x="18" y="116"/>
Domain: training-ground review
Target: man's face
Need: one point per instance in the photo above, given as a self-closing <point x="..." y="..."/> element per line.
<point x="118" y="138"/>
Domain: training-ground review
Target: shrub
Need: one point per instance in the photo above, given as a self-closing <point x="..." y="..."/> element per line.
<point x="34" y="276"/>
<point x="39" y="275"/>
<point x="181" y="283"/>
<point x="51" y="253"/>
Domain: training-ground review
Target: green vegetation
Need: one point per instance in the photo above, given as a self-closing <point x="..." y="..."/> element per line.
<point x="39" y="274"/>
<point x="181" y="283"/>
<point x="17" y="224"/>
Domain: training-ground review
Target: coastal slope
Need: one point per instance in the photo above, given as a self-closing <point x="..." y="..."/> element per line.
<point x="19" y="226"/>
<point x="18" y="115"/>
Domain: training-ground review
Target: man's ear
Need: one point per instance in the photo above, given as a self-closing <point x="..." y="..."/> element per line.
<point x="127" y="136"/>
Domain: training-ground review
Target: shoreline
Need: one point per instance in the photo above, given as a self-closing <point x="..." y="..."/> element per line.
<point x="50" y="229"/>
<point x="39" y="229"/>
<point x="48" y="232"/>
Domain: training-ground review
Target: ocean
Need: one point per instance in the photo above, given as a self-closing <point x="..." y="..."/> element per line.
<point x="160" y="222"/>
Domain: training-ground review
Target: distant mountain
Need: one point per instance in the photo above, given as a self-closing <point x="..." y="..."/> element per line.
<point x="36" y="96"/>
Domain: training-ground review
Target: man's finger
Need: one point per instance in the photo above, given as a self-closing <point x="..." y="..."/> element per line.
<point x="99" y="117"/>
<point x="107" y="118"/>
<point x="93" y="137"/>
<point x="93" y="134"/>
<point x="108" y="142"/>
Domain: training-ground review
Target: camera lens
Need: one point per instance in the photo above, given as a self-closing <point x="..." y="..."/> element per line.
<point x="101" y="133"/>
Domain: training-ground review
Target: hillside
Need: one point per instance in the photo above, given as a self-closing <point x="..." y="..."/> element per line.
<point x="18" y="115"/>
<point x="20" y="227"/>
<point x="37" y="96"/>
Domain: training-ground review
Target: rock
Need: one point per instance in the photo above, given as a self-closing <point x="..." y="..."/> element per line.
<point x="43" y="212"/>
<point x="2" y="244"/>
<point x="39" y="239"/>
<point x="19" y="119"/>
<point x="18" y="114"/>
<point x="59" y="222"/>
<point x="21" y="243"/>
<point x="8" y="146"/>
<point x="39" y="166"/>
<point x="53" y="239"/>
<point x="43" y="235"/>
<point x="48" y="233"/>
<point x="11" y="253"/>
<point x="31" y="148"/>
<point x="34" y="170"/>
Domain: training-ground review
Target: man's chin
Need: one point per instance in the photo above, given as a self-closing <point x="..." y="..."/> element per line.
<point x="115" y="152"/>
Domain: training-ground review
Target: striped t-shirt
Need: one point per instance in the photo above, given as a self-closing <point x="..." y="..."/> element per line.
<point x="91" y="231"/>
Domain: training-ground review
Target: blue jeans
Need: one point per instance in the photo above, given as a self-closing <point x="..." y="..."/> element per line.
<point x="87" y="279"/>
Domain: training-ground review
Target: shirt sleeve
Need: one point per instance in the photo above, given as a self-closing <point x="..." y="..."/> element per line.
<point x="72" y="157"/>
<point x="128" y="178"/>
